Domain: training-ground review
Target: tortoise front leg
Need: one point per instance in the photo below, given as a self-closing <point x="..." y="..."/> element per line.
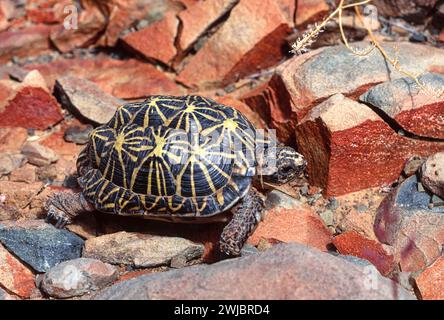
<point x="64" y="206"/>
<point x="247" y="216"/>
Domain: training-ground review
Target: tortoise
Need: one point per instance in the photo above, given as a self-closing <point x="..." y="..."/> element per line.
<point x="179" y="159"/>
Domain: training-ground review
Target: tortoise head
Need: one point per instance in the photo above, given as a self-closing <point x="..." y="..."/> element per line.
<point x="287" y="166"/>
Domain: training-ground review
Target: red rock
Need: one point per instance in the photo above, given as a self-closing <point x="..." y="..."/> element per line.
<point x="430" y="282"/>
<point x="14" y="276"/>
<point x="415" y="232"/>
<point x="288" y="8"/>
<point x="255" y="45"/>
<point x="354" y="244"/>
<point x="349" y="148"/>
<point x="126" y="79"/>
<point x="299" y="224"/>
<point x="25" y="42"/>
<point x="31" y="105"/>
<point x="24" y="174"/>
<point x="31" y="108"/>
<point x="90" y="22"/>
<point x="6" y="11"/>
<point x="157" y="40"/>
<point x="310" y="11"/>
<point x="47" y="12"/>
<point x="199" y="17"/>
<point x="254" y="117"/>
<point x="12" y="139"/>
<point x="417" y="110"/>
<point x="441" y="36"/>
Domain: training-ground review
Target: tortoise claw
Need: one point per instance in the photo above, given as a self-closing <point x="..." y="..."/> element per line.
<point x="61" y="218"/>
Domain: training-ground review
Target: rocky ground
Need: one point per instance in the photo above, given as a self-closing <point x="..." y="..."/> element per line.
<point x="367" y="222"/>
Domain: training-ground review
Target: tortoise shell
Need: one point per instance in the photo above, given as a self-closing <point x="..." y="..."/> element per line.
<point x="169" y="156"/>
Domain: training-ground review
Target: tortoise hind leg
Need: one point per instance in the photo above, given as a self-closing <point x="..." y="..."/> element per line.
<point x="64" y="206"/>
<point x="247" y="216"/>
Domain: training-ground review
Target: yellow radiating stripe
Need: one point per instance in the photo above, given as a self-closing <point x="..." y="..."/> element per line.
<point x="181" y="173"/>
<point x="207" y="176"/>
<point x="208" y="131"/>
<point x="150" y="178"/>
<point x="159" y="188"/>
<point x="199" y="125"/>
<point x="207" y="116"/>
<point x="116" y="189"/>
<point x="220" y="198"/>
<point x="221" y="172"/>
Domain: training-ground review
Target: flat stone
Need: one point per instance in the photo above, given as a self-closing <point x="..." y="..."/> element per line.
<point x="14" y="276"/>
<point x="10" y="161"/>
<point x="12" y="139"/>
<point x="39" y="244"/>
<point x="256" y="46"/>
<point x="352" y="243"/>
<point x="86" y="98"/>
<point x="417" y="110"/>
<point x="160" y="34"/>
<point x="139" y="250"/>
<point x="405" y="222"/>
<point x="78" y="277"/>
<point x="310" y="11"/>
<point x="299" y="223"/>
<point x="38" y="154"/>
<point x="31" y="105"/>
<point x="27" y="174"/>
<point x="5" y="296"/>
<point x="430" y="282"/>
<point x="294" y="271"/>
<point x="199" y="17"/>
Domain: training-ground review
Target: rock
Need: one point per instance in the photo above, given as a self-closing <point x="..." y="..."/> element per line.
<point x="352" y="243"/>
<point x="293" y="271"/>
<point x="257" y="45"/>
<point x="293" y="222"/>
<point x="432" y="174"/>
<point x="414" y="11"/>
<point x="348" y="147"/>
<point x="25" y="42"/>
<point x="39" y="244"/>
<point x="310" y="11"/>
<point x="6" y="11"/>
<point x="83" y="29"/>
<point x="14" y="276"/>
<point x="84" y="97"/>
<point x="57" y="143"/>
<point x="27" y="174"/>
<point x="31" y="105"/>
<point x="19" y="194"/>
<point x="139" y="250"/>
<point x="78" y="277"/>
<point x="198" y="19"/>
<point x="12" y="139"/>
<point x="405" y="222"/>
<point x="78" y="135"/>
<point x="121" y="14"/>
<point x="9" y="162"/>
<point x="39" y="155"/>
<point x="160" y="34"/>
<point x="5" y="296"/>
<point x="416" y="110"/>
<point x="412" y="165"/>
<point x="125" y="79"/>
<point x="430" y="282"/>
<point x="304" y="81"/>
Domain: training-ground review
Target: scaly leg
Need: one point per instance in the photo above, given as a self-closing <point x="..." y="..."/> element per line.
<point x="64" y="206"/>
<point x="247" y="216"/>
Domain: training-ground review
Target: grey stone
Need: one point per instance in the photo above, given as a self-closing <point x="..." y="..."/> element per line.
<point x="141" y="250"/>
<point x="286" y="271"/>
<point x="39" y="244"/>
<point x="39" y="155"/>
<point x="84" y="97"/>
<point x="432" y="174"/>
<point x="77" y="277"/>
<point x="10" y="161"/>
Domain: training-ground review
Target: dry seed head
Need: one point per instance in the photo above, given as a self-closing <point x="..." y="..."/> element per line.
<point x="302" y="43"/>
